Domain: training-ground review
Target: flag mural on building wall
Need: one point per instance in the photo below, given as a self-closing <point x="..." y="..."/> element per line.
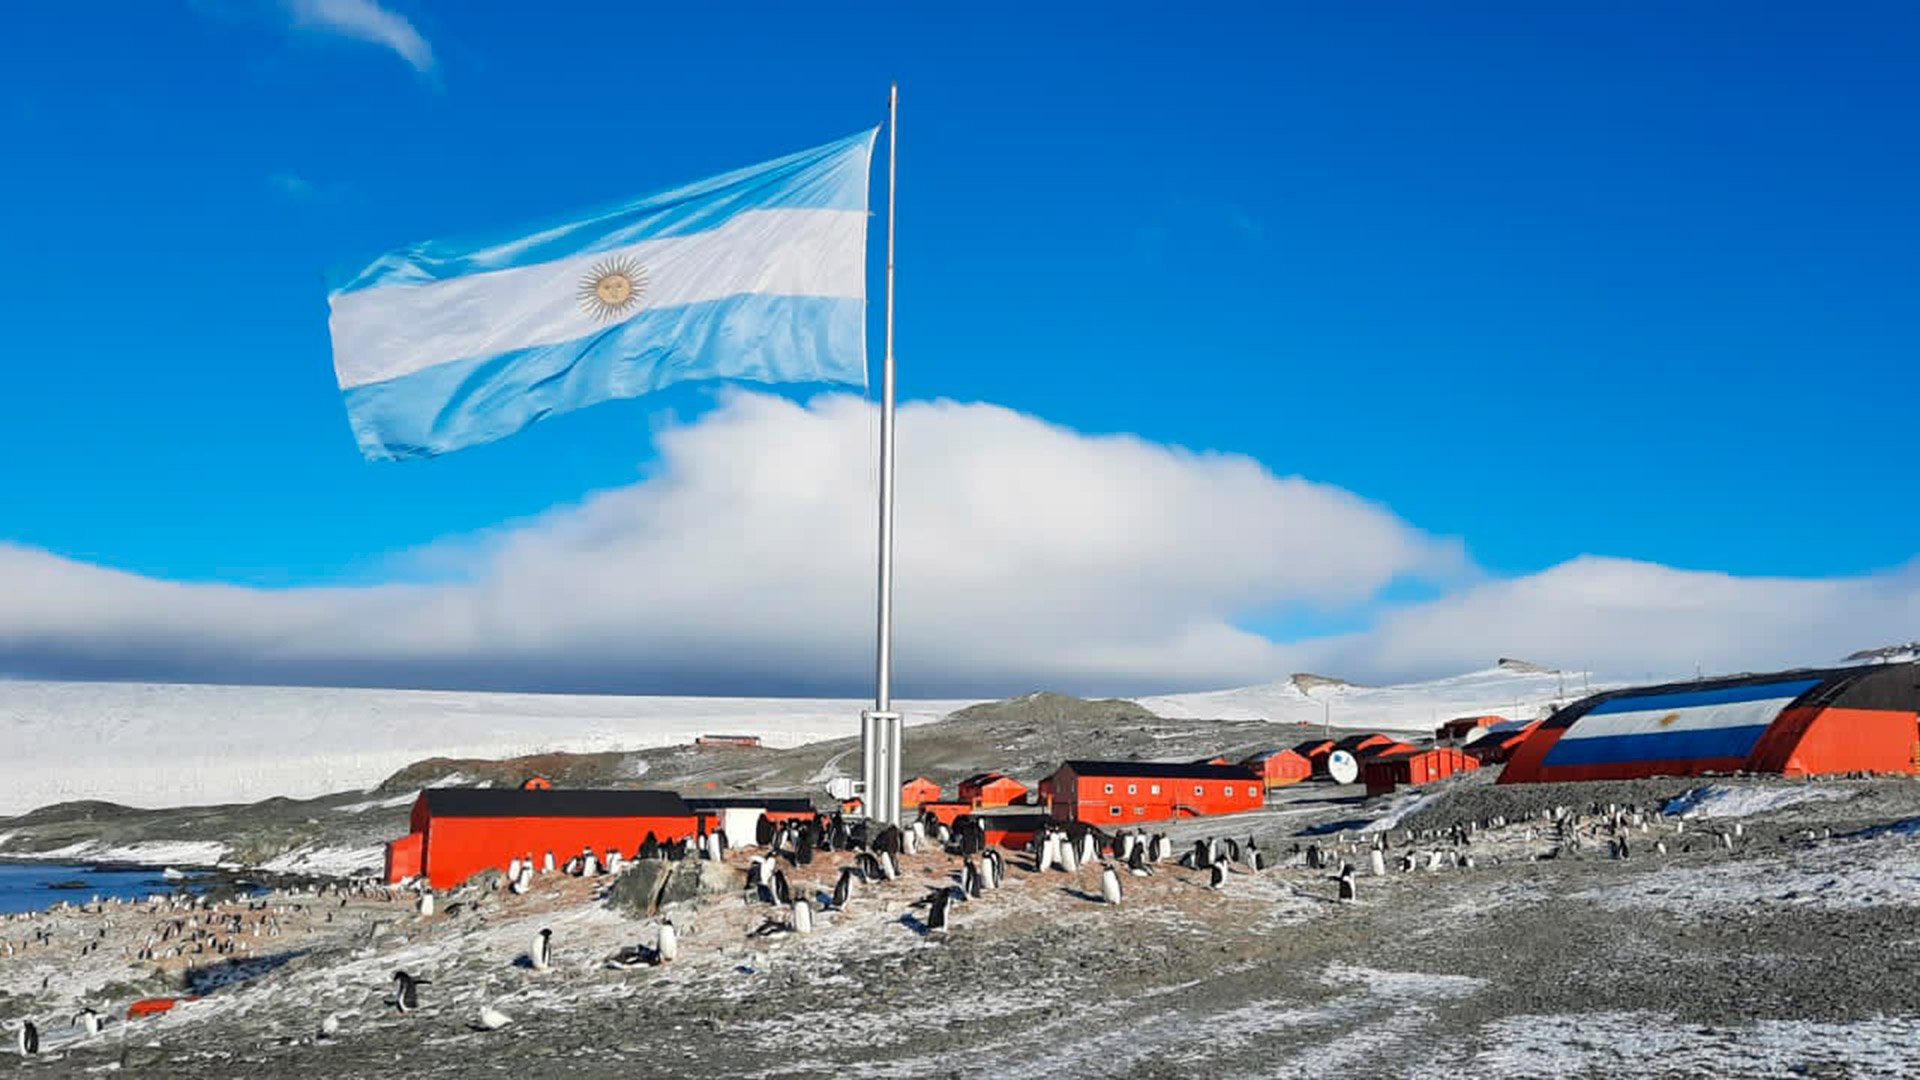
<point x="758" y="274"/>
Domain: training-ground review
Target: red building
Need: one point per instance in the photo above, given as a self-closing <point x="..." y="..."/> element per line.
<point x="1498" y="742"/>
<point x="1315" y="751"/>
<point x="1115" y="793"/>
<point x="1383" y="772"/>
<point x="919" y="790"/>
<point x="458" y="832"/>
<point x="1459" y="728"/>
<point x="1279" y="767"/>
<point x="991" y="789"/>
<point x="727" y="740"/>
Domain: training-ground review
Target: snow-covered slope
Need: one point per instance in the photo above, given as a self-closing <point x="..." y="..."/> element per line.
<point x="148" y="744"/>
<point x="1516" y="694"/>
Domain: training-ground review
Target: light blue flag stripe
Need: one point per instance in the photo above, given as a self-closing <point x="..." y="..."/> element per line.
<point x="758" y="275"/>
<point x="830" y="177"/>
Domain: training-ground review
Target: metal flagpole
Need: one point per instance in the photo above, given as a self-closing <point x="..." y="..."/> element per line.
<point x="880" y="726"/>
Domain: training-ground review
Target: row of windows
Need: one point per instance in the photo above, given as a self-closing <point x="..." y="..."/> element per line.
<point x="1154" y="789"/>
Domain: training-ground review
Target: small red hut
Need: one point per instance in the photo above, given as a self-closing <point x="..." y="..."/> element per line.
<point x="1277" y="768"/>
<point x="1383" y="772"/>
<point x="991" y="789"/>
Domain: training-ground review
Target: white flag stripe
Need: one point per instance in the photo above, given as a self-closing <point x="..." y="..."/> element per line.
<point x="1687" y="718"/>
<point x="386" y="332"/>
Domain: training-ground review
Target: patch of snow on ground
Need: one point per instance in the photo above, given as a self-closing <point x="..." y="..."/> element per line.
<point x="1722" y="801"/>
<point x="328" y="861"/>
<point x="1649" y="1044"/>
<point x="378" y="804"/>
<point x="1845" y="872"/>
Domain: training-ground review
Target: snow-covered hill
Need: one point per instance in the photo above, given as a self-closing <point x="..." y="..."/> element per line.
<point x="1513" y="691"/>
<point x="147" y="744"/>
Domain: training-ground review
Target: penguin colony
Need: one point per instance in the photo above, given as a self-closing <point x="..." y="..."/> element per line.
<point x="193" y="929"/>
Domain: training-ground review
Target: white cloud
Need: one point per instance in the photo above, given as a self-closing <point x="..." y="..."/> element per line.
<point x="1028" y="555"/>
<point x="1630" y="619"/>
<point x="365" y="20"/>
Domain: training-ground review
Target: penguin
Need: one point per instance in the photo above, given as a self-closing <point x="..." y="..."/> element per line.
<point x="29" y="1039"/>
<point x="1109" y="885"/>
<point x="888" y="869"/>
<point x="406" y="991"/>
<point x="613" y="860"/>
<point x="1200" y="859"/>
<point x="1088" y="848"/>
<point x="426" y="903"/>
<point x="802" y="916"/>
<point x="330" y="1025"/>
<point x="720" y="841"/>
<point x="910" y="842"/>
<point x="843" y="889"/>
<point x="1137" y="860"/>
<point x="492" y="1019"/>
<point x="803" y="848"/>
<point x="1256" y="861"/>
<point x="668" y="950"/>
<point x="868" y="866"/>
<point x="513" y="868"/>
<point x="541" y="955"/>
<point x="89" y="1021"/>
<point x="782" y="892"/>
<point x="1377" y="862"/>
<point x="1162" y="848"/>
<point x="763" y="831"/>
<point x="1346" y="883"/>
<point x="1216" y="876"/>
<point x="937" y="911"/>
<point x="1069" y="859"/>
<point x="970" y="879"/>
<point x="546" y="864"/>
<point x="523" y="882"/>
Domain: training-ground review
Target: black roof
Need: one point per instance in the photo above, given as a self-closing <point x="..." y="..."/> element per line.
<point x="1161" y="770"/>
<point x="783" y="804"/>
<point x="986" y="778"/>
<point x="1306" y="748"/>
<point x="552" y="802"/>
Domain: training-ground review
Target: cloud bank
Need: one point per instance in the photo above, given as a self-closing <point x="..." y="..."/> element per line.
<point x="1028" y="555"/>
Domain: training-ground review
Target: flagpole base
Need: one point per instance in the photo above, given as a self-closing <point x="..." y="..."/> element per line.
<point x="880" y="765"/>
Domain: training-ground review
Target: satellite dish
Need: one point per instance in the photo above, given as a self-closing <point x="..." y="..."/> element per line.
<point x="1342" y="767"/>
<point x="1474" y="736"/>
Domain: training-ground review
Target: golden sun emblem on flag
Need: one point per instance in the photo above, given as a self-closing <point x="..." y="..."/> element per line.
<point x="613" y="288"/>
<point x="1670" y="719"/>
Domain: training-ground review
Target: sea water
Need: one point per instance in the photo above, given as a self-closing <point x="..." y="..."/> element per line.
<point x="38" y="886"/>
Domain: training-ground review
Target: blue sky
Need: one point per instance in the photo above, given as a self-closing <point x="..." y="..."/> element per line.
<point x="1636" y="283"/>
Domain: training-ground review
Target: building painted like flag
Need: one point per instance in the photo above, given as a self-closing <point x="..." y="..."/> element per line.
<point x="1855" y="719"/>
<point x="759" y="274"/>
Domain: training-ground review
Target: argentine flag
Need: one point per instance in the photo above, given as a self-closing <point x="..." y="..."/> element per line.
<point x="758" y="274"/>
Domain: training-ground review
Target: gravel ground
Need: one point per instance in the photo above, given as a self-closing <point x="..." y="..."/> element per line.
<point x="1790" y="951"/>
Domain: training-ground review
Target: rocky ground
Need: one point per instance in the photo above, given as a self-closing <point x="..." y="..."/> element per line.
<point x="1777" y="935"/>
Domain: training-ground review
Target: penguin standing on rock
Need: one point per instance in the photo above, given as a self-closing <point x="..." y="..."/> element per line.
<point x="406" y="991"/>
<point x="541" y="955"/>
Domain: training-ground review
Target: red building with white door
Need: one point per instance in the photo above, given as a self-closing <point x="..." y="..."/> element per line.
<point x="1113" y="794"/>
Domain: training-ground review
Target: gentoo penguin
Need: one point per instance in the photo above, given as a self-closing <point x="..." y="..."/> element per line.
<point x="782" y="892"/>
<point x="406" y="991"/>
<point x="888" y="868"/>
<point x="1377" y="862"/>
<point x="970" y="879"/>
<point x="29" y="1038"/>
<point x="937" y="911"/>
<point x="802" y="916"/>
<point x="513" y="868"/>
<point x="1109" y="885"/>
<point x="668" y="950"/>
<point x="1137" y="860"/>
<point x="1346" y="882"/>
<point x="426" y="902"/>
<point x="330" y="1025"/>
<point x="541" y="955"/>
<point x="492" y="1019"/>
<point x="89" y="1021"/>
<point x="1216" y="876"/>
<point x="843" y="889"/>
